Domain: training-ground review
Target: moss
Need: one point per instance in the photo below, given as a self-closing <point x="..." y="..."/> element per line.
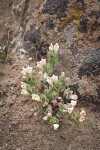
<point x="65" y="20"/>
<point x="40" y="18"/>
<point x="77" y="22"/>
<point x="76" y="14"/>
<point x="39" y="2"/>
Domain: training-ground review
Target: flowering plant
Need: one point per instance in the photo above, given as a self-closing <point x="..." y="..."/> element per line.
<point x="50" y="93"/>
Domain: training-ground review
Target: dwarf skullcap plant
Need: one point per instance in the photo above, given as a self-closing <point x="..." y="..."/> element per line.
<point x="50" y="93"/>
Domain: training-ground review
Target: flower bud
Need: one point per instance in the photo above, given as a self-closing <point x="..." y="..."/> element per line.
<point x="56" y="126"/>
<point x="63" y="74"/>
<point x="45" y="118"/>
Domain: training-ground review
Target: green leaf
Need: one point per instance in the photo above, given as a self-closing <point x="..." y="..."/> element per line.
<point x="51" y="94"/>
<point x="71" y="117"/>
<point x="31" y="79"/>
<point x="48" y="68"/>
<point x="36" y="108"/>
<point x="30" y="89"/>
<point x="53" y="120"/>
<point x="43" y="96"/>
<point x="60" y="113"/>
<point x="61" y="79"/>
<point x="54" y="94"/>
<point x="43" y="86"/>
<point x="74" y="117"/>
<point x="53" y="58"/>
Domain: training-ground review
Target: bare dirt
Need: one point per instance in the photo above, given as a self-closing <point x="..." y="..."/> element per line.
<point x="19" y="128"/>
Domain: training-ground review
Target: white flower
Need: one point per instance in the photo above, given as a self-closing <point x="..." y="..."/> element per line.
<point x="36" y="97"/>
<point x="50" y="81"/>
<point x="73" y="96"/>
<point x="49" y="114"/>
<point x="56" y="126"/>
<point x="45" y="104"/>
<point x="51" y="47"/>
<point x="70" y="109"/>
<point x="45" y="118"/>
<point x="45" y="75"/>
<point x="73" y="103"/>
<point x="35" y="114"/>
<point x="68" y="81"/>
<point x="63" y="74"/>
<point x="40" y="73"/>
<point x="26" y="71"/>
<point x="82" y="115"/>
<point x="54" y="48"/>
<point x="54" y="101"/>
<point x="67" y="92"/>
<point x="41" y="63"/>
<point x="24" y="92"/>
<point x="54" y="78"/>
<point x="23" y="85"/>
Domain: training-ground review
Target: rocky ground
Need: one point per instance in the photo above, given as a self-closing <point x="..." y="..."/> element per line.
<point x="33" y="25"/>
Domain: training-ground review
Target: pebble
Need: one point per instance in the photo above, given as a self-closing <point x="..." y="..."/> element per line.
<point x="30" y="58"/>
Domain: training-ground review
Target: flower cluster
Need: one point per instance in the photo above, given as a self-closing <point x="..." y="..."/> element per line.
<point x="50" y="93"/>
<point x="26" y="71"/>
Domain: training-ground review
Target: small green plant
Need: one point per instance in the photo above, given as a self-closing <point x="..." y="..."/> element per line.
<point x="50" y="93"/>
<point x="3" y="53"/>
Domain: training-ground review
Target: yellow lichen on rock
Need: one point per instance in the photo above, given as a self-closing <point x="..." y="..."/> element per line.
<point x="76" y="14"/>
<point x="65" y="20"/>
<point x="39" y="2"/>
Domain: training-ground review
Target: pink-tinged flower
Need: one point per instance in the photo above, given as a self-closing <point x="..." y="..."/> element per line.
<point x="64" y="111"/>
<point x="40" y="64"/>
<point x="73" y="103"/>
<point x="82" y="115"/>
<point x="36" y="97"/>
<point x="56" y="126"/>
<point x="24" y="92"/>
<point x="32" y="109"/>
<point x="27" y="70"/>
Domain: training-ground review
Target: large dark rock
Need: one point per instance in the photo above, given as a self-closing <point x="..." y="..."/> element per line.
<point x="55" y="6"/>
<point x="91" y="64"/>
<point x="74" y="25"/>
